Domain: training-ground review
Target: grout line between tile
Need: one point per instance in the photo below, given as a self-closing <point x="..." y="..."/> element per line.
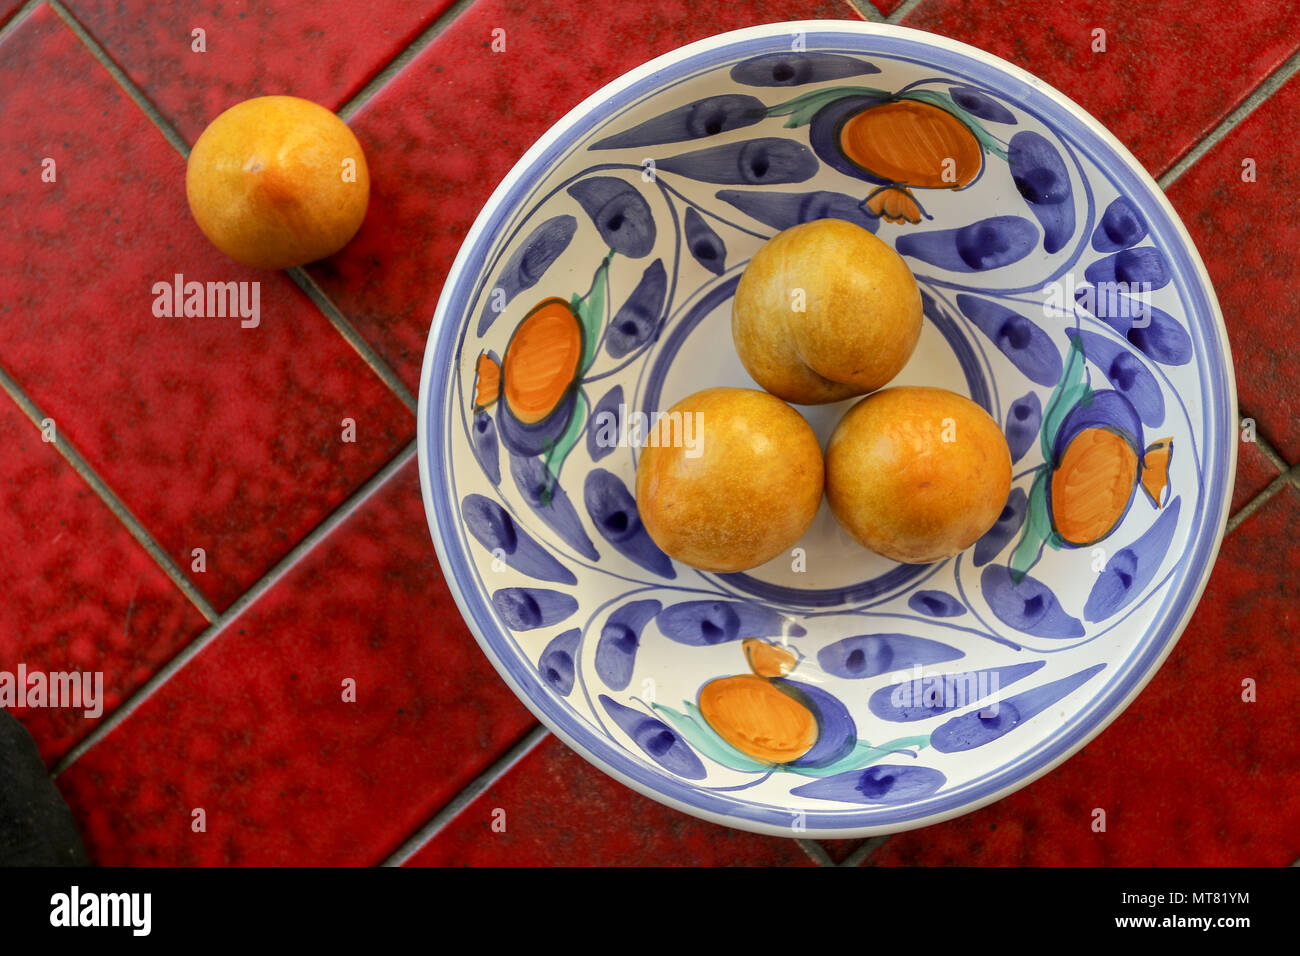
<point x="903" y="9"/>
<point x="816" y="851"/>
<point x="109" y="498"/>
<point x="219" y="623"/>
<point x="1247" y="106"/>
<point x="123" y="81"/>
<point x="299" y="277"/>
<point x="866" y="10"/>
<point x="479" y="785"/>
<point x="21" y="14"/>
<point x="1254" y="504"/>
<point x="1271" y="453"/>
<point x="396" y="65"/>
<point x="864" y="852"/>
<point x="346" y="329"/>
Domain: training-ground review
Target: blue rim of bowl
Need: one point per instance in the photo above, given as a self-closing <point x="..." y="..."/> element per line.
<point x="1218" y="415"/>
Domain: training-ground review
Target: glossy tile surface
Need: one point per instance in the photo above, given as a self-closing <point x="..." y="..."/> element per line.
<point x="322" y="51"/>
<point x="219" y="437"/>
<point x="81" y="596"/>
<point x="258" y="730"/>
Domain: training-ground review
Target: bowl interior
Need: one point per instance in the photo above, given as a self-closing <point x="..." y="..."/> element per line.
<point x="1060" y="293"/>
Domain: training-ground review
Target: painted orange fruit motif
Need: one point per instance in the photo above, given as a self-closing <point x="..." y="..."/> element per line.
<point x="773" y="719"/>
<point x="913" y="139"/>
<point x="1095" y="478"/>
<point x="540" y="363"/>
<point x="752" y="715"/>
<point x="912" y="144"/>
<point x="1096" y="460"/>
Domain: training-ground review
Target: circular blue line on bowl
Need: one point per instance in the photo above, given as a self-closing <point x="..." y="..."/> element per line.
<point x="975" y="67"/>
<point x="894" y="578"/>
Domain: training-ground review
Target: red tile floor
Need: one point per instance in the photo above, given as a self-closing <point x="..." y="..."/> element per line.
<point x="223" y="665"/>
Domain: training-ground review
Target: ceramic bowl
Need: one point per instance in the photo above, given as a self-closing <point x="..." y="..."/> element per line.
<point x="1060" y="292"/>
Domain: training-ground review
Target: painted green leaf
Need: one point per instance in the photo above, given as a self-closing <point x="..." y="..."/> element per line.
<point x="803" y="108"/>
<point x="1070" y="391"/>
<point x="590" y="310"/>
<point x="863" y="755"/>
<point x="697" y="732"/>
<point x="555" y="456"/>
<point x="1038" y="528"/>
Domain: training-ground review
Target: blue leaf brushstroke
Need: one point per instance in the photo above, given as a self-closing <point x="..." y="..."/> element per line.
<point x="620" y="213"/>
<point x="988" y="244"/>
<point x="703" y="623"/>
<point x="1121" y="226"/>
<point x="704" y="243"/>
<point x="869" y="655"/>
<point x="496" y="530"/>
<point x="796" y="69"/>
<point x="656" y="739"/>
<point x="527" y="265"/>
<point x="882" y="783"/>
<point x="1030" y="606"/>
<point x="707" y="117"/>
<point x="637" y="319"/>
<point x="1126" y="373"/>
<point x="936" y="604"/>
<point x="607" y="416"/>
<point x="1143" y="265"/>
<point x="524" y="609"/>
<point x="986" y="725"/>
<point x="1131" y="568"/>
<point x="1040" y="176"/>
<point x="1027" y="346"/>
<point x="932" y="695"/>
<point x="990" y="545"/>
<point x="979" y="104"/>
<point x="1024" y="418"/>
<point x="613" y="511"/>
<point x="755" y="162"/>
<point x="534" y="483"/>
<point x="483" y="438"/>
<point x="620" y="637"/>
<point x="556" y="665"/>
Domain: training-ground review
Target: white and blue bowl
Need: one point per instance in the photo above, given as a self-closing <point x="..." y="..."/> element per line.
<point x="936" y="689"/>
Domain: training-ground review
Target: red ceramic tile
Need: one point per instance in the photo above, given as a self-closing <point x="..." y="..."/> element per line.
<point x="325" y="51"/>
<point x="8" y="8"/>
<point x="559" y="810"/>
<point x="1190" y="774"/>
<point x="444" y="132"/>
<point x="1255" y="472"/>
<point x="1247" y="232"/>
<point x="80" y="595"/>
<point x="255" y="729"/>
<point x="216" y="436"/>
<point x="1169" y="74"/>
